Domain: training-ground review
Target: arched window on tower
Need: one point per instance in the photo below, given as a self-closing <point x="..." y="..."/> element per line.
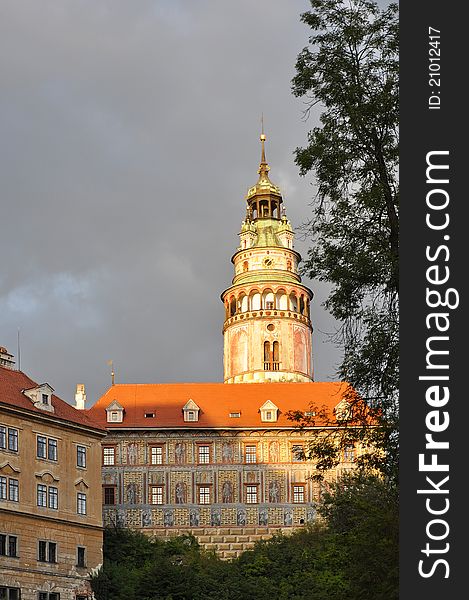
<point x="275" y="356"/>
<point x="245" y="266"/>
<point x="267" y="356"/>
<point x="302" y="304"/>
<point x="232" y="307"/>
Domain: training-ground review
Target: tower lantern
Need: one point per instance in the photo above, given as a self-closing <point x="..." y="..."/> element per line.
<point x="267" y="329"/>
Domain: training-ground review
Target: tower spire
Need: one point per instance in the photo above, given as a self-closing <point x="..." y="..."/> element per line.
<point x="263" y="167"/>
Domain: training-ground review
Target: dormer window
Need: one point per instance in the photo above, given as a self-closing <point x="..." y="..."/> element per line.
<point x="115" y="412"/>
<point x="191" y="411"/>
<point x="41" y="396"/>
<point x="268" y="412"/>
<point x="343" y="411"/>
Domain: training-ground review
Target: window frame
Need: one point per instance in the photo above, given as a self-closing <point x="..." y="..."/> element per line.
<point x="298" y="490"/>
<point x="5" y="545"/>
<point x="206" y="456"/>
<point x="13" y="436"/>
<point x="204" y="494"/>
<point x="48" y="595"/>
<point x="41" y="442"/>
<point x="52" y="444"/>
<point x="81" y="564"/>
<point x="52" y="494"/>
<point x="156" y="491"/>
<point x="252" y="493"/>
<point x="107" y="489"/>
<point x="294" y="459"/>
<point x="107" y="456"/>
<point x="81" y="503"/>
<point x="47" y="448"/>
<point x="47" y="545"/>
<point x="81" y="452"/>
<point x="13" y="483"/>
<point x="3" y="487"/>
<point x="157" y="455"/>
<point x="41" y="493"/>
<point x="9" y="589"/>
<point x="250" y="458"/>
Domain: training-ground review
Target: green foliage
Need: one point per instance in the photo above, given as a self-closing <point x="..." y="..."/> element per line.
<point x="314" y="563"/>
<point x="350" y="71"/>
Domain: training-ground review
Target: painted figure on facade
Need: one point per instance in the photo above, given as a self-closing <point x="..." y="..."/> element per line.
<point x="274" y="492"/>
<point x="273" y="452"/>
<point x="180" y="453"/>
<point x="132" y="453"/>
<point x="227" y="492"/>
<point x="227" y="452"/>
<point x="180" y="493"/>
<point x="131" y="493"/>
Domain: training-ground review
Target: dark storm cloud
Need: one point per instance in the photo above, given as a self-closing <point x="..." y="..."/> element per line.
<point x="128" y="138"/>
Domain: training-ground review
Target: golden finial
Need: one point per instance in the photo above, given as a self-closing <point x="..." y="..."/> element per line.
<point x="263" y="161"/>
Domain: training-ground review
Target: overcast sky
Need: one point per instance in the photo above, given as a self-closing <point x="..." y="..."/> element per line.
<point x="129" y="134"/>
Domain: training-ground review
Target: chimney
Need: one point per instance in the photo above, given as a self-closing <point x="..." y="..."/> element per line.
<point x="80" y="397"/>
<point x="6" y="359"/>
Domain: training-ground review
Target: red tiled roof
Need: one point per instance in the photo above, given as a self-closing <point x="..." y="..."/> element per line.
<point x="216" y="401"/>
<point x="12" y="384"/>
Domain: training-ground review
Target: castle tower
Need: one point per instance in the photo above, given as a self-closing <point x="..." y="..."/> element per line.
<point x="267" y="330"/>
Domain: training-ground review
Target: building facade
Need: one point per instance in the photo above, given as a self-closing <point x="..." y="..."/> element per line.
<point x="50" y="493"/>
<point x="223" y="461"/>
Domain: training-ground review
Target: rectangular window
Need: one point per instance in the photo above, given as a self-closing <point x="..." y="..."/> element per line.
<point x="53" y="497"/>
<point x="9" y="593"/>
<point x="12" y="546"/>
<point x="297" y="453"/>
<point x="52" y="449"/>
<point x="12" y="439"/>
<point x="298" y="494"/>
<point x="81" y="456"/>
<point x="156" y="494"/>
<point x="204" y="495"/>
<point x="109" y="495"/>
<point x="349" y="454"/>
<point x="48" y="596"/>
<point x="81" y="562"/>
<point x="251" y="494"/>
<point x="3" y="488"/>
<point x="52" y="552"/>
<point x="45" y="399"/>
<point x="47" y="551"/>
<point x="204" y="455"/>
<point x="156" y="455"/>
<point x="13" y="490"/>
<point x="109" y="455"/>
<point x="41" y="495"/>
<point x="42" y="551"/>
<point x="8" y="545"/>
<point x="250" y="454"/>
<point x="81" y="504"/>
<point x="41" y="446"/>
<point x="3" y="437"/>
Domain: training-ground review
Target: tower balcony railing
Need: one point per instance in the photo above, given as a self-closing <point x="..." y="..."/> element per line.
<point x="255" y="314"/>
<point x="272" y="365"/>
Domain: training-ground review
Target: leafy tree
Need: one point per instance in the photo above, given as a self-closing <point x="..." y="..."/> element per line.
<point x="362" y="513"/>
<point x="350" y="70"/>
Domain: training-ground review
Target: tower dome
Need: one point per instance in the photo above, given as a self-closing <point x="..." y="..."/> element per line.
<point x="267" y="329"/>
